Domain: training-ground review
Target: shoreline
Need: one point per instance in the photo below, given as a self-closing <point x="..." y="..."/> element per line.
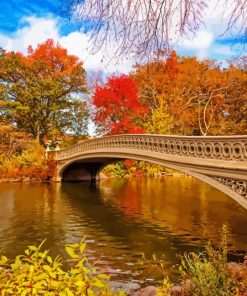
<point x="37" y="180"/>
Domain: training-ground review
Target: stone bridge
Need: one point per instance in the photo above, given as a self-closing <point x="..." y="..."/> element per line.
<point x="220" y="161"/>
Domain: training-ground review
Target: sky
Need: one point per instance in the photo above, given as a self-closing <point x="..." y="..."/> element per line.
<point x="24" y="23"/>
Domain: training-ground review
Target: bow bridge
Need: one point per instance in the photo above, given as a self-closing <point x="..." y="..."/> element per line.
<point x="218" y="160"/>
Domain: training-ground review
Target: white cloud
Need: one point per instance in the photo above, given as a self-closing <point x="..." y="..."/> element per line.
<point x="4" y="41"/>
<point x="78" y="43"/>
<point x="205" y="43"/>
<point x="225" y="51"/>
<point x="200" y="44"/>
<point x="36" y="30"/>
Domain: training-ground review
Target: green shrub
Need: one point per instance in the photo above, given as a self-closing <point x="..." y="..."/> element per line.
<point x="204" y="273"/>
<point x="208" y="271"/>
<point x="115" y="169"/>
<point x="37" y="273"/>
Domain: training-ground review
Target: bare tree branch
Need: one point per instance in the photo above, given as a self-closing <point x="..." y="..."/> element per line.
<point x="139" y="26"/>
<point x="144" y="26"/>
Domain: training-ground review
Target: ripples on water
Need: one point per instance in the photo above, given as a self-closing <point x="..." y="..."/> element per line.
<point x="121" y="220"/>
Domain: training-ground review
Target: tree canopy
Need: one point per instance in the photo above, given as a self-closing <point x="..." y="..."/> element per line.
<point x="118" y="109"/>
<point x="177" y="95"/>
<point x="41" y="92"/>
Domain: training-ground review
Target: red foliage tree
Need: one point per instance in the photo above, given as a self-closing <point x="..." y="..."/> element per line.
<point x="118" y="109"/>
<point x="129" y="163"/>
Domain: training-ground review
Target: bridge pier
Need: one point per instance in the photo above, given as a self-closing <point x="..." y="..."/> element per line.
<point x="94" y="172"/>
<point x="94" y="180"/>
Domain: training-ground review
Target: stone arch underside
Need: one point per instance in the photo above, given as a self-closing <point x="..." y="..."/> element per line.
<point x="218" y="176"/>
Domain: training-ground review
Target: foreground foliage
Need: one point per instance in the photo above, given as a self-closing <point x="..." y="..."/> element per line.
<point x="37" y="273"/>
<point x="208" y="273"/>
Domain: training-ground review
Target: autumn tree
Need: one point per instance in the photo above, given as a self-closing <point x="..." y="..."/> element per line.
<point x="235" y="119"/>
<point x="12" y="142"/>
<point x="41" y="92"/>
<point x="190" y="97"/>
<point x="160" y="85"/>
<point x="118" y="109"/>
<point x="174" y="95"/>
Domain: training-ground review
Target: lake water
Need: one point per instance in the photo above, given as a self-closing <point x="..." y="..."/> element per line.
<point x="121" y="219"/>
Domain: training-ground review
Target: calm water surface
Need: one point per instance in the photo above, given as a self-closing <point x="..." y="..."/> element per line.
<point x="121" y="220"/>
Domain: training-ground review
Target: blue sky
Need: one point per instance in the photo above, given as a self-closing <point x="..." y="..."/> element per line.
<point x="12" y="11"/>
<point x="31" y="22"/>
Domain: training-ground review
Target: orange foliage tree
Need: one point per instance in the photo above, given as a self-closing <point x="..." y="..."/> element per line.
<point x="37" y="91"/>
<point x="195" y="97"/>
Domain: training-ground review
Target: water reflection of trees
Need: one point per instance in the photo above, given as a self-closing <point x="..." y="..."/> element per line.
<point x="121" y="219"/>
<point x="185" y="206"/>
<point x="35" y="214"/>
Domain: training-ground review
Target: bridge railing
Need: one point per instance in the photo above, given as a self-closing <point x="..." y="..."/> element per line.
<point x="211" y="147"/>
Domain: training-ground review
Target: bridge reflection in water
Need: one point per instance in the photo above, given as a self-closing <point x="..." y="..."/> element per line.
<point x="218" y="161"/>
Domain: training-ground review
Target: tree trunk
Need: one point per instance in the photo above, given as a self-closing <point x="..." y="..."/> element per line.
<point x="38" y="134"/>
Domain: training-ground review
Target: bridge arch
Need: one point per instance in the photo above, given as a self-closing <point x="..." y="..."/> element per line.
<point x="218" y="161"/>
<point x="84" y="168"/>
